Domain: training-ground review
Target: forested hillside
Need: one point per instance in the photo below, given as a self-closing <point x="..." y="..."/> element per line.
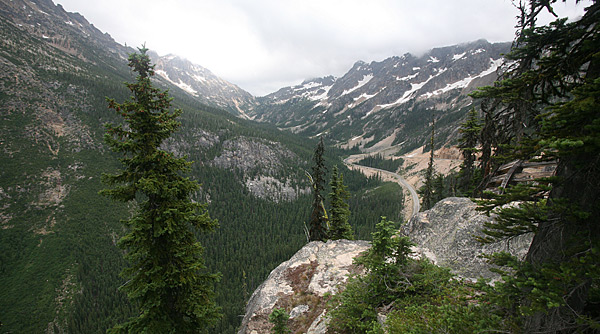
<point x="59" y="263"/>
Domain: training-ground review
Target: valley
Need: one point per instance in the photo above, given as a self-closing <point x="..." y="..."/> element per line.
<point x="60" y="259"/>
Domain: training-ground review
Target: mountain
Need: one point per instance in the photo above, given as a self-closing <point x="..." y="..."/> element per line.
<point x="59" y="262"/>
<point x="68" y="32"/>
<point x="203" y="84"/>
<point x="391" y="100"/>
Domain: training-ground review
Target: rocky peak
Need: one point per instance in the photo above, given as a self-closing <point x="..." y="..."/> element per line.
<point x="380" y="96"/>
<point x="202" y="83"/>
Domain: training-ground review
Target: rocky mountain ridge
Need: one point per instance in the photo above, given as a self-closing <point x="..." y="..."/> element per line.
<point x="61" y="29"/>
<point x="71" y="33"/>
<point x="203" y="84"/>
<point x="390" y="100"/>
<point x="378" y="100"/>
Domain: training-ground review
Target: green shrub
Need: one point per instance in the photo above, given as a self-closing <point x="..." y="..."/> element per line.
<point x="416" y="295"/>
<point x="279" y="317"/>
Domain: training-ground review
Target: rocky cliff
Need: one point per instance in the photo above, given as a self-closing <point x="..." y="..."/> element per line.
<point x="301" y="284"/>
<point x="445" y="233"/>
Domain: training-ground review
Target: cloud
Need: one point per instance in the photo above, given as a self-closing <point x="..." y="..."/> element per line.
<point x="263" y="45"/>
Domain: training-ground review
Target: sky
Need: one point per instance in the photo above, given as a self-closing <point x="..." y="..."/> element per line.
<point x="264" y="45"/>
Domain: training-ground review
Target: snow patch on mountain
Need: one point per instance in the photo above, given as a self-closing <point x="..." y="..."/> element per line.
<point x="494" y="64"/>
<point x="362" y="98"/>
<point x="199" y="78"/>
<point x="361" y="83"/>
<point x="408" y="77"/>
<point x="186" y="87"/>
<point x="458" y="56"/>
<point x="321" y="96"/>
<point x="407" y="96"/>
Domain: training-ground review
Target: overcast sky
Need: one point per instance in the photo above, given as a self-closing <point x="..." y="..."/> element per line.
<point x="263" y="45"/>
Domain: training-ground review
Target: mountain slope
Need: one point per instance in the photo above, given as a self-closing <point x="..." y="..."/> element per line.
<point x="394" y="98"/>
<point x="203" y="84"/>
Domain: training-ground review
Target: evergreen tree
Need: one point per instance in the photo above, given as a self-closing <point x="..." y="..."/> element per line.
<point x="545" y="107"/>
<point x="470" y="131"/>
<point x="279" y="318"/>
<point x="167" y="278"/>
<point x="426" y="190"/>
<point x="439" y="188"/>
<point x="339" y="227"/>
<point x="318" y="216"/>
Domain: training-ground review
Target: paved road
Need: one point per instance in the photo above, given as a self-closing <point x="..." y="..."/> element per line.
<point x="413" y="193"/>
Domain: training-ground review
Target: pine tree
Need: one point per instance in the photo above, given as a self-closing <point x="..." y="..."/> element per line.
<point x="545" y="107"/>
<point x="318" y="217"/>
<point x="439" y="188"/>
<point x="470" y="131"/>
<point x="167" y="278"/>
<point x="426" y="190"/>
<point x="339" y="227"/>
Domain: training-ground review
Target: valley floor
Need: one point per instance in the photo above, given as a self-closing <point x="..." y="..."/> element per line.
<point x="411" y="172"/>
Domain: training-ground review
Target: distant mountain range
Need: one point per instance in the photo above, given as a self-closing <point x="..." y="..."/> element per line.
<point x="375" y="101"/>
<point x="202" y="84"/>
<point x="374" y="104"/>
<point x="371" y="103"/>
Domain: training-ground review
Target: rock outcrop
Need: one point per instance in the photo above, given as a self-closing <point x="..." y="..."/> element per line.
<point x="444" y="234"/>
<point x="299" y="285"/>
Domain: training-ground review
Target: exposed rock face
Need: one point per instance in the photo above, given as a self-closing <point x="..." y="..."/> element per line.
<point x="265" y="166"/>
<point x="248" y="154"/>
<point x="271" y="188"/>
<point x="445" y="235"/>
<point x="299" y="285"/>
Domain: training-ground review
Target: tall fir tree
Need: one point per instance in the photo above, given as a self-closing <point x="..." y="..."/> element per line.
<point x="426" y="190"/>
<point x="166" y="279"/>
<point x="470" y="131"/>
<point x="439" y="188"/>
<point x="546" y="107"/>
<point x="339" y="227"/>
<point x="318" y="217"/>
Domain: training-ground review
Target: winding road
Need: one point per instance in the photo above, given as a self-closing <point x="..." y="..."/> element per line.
<point x="414" y="198"/>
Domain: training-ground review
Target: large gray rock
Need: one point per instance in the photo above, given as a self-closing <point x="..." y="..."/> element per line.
<point x="445" y="234"/>
<point x="299" y="284"/>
